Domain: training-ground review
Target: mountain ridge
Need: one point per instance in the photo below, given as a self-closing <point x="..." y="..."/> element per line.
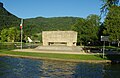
<point x="35" y="25"/>
<point x="7" y="19"/>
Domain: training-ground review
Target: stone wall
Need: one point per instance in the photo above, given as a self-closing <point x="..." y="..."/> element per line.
<point x="68" y="38"/>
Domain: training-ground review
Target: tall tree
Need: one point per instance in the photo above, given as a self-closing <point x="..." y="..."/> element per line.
<point x="10" y="35"/>
<point x="13" y="34"/>
<point x="79" y="27"/>
<point x="108" y="4"/>
<point x="112" y="24"/>
<point x="4" y="34"/>
<point x="92" y="24"/>
<point x="87" y="29"/>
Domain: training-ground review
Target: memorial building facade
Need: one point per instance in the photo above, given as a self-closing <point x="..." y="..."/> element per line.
<point x="66" y="38"/>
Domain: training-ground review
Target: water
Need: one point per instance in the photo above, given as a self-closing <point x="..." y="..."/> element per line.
<point x="29" y="68"/>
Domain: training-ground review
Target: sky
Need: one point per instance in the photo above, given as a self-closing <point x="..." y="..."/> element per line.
<point x="52" y="8"/>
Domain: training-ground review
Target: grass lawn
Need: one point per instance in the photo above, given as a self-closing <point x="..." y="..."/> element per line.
<point x="53" y="55"/>
<point x="62" y="56"/>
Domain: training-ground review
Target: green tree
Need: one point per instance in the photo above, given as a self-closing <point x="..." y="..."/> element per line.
<point x="108" y="4"/>
<point x="10" y="35"/>
<point x="112" y="24"/>
<point x="13" y="34"/>
<point x="92" y="25"/>
<point x="4" y="35"/>
<point x="79" y="27"/>
<point x="87" y="29"/>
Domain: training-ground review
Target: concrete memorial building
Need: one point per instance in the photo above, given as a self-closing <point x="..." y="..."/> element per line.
<point x="66" y="38"/>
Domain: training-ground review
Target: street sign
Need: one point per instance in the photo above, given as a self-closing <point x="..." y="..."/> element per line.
<point x="104" y="38"/>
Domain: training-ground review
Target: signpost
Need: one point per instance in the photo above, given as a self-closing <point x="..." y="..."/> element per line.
<point x="104" y="38"/>
<point x="21" y="26"/>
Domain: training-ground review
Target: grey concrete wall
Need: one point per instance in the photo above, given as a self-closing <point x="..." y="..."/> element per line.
<point x="68" y="37"/>
<point x="60" y="48"/>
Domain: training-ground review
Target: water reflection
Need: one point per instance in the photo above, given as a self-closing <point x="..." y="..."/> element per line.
<point x="19" y="68"/>
<point x="27" y="68"/>
<point x="87" y="70"/>
<point x="112" y="71"/>
<point x="56" y="69"/>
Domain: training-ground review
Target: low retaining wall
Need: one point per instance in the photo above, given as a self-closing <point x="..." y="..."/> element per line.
<point x="61" y="48"/>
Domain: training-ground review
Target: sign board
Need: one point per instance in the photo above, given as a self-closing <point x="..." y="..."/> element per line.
<point x="104" y="38"/>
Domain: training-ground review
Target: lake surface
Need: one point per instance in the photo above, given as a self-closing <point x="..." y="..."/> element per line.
<point x="28" y="68"/>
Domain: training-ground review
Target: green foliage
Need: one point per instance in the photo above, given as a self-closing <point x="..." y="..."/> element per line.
<point x="4" y="34"/>
<point x="10" y="35"/>
<point x="39" y="24"/>
<point x="33" y="26"/>
<point x="107" y="4"/>
<point x="87" y="29"/>
<point x="92" y="24"/>
<point x="36" y="37"/>
<point x="54" y="56"/>
<point x="13" y="34"/>
<point x="112" y="23"/>
<point x="79" y="27"/>
<point x="7" y="19"/>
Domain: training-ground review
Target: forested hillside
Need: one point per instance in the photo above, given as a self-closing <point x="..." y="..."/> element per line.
<point x="32" y="27"/>
<point x="7" y="19"/>
<point x="36" y="25"/>
<point x="89" y="29"/>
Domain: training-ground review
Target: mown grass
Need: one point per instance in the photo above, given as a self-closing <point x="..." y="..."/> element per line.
<point x="63" y="56"/>
<point x="53" y="55"/>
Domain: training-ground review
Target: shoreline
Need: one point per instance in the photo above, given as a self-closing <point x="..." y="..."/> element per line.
<point x="69" y="56"/>
<point x="61" y="52"/>
<point x="50" y="51"/>
<point x="56" y="59"/>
